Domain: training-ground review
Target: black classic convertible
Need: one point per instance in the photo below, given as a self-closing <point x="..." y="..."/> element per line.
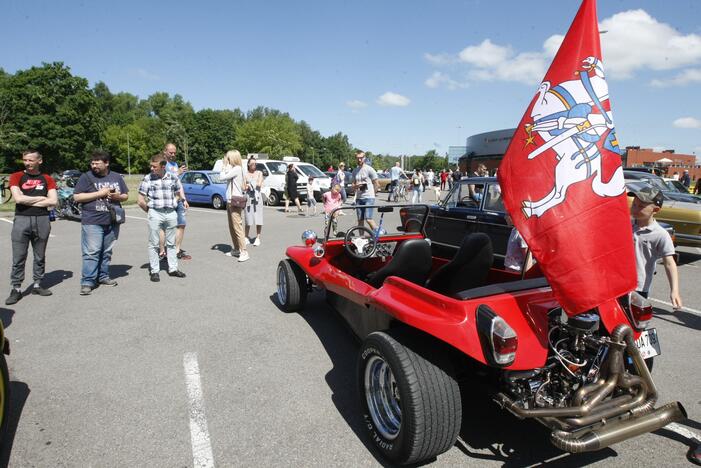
<point x="474" y="204"/>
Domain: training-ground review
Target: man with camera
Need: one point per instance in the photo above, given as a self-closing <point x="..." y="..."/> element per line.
<point x="365" y="182"/>
<point x="101" y="193"/>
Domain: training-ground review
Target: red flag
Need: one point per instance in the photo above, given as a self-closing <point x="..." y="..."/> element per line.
<point x="562" y="179"/>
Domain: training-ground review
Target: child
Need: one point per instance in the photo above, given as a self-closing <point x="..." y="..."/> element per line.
<point x="332" y="200"/>
<point x="517" y="254"/>
<point x="651" y="243"/>
<point x="312" y="186"/>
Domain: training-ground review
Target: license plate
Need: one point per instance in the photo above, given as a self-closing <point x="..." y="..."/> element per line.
<point x="648" y="344"/>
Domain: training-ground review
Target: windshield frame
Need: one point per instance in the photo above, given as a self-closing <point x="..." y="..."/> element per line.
<point x="315" y="171"/>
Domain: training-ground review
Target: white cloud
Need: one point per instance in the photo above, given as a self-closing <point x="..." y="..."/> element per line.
<point x="633" y="41"/>
<point x="687" y="122"/>
<point x="690" y="75"/>
<point x="439" y="59"/>
<point x="356" y="104"/>
<point x="485" y="55"/>
<point x="145" y="74"/>
<point x="393" y="99"/>
<point x="438" y="79"/>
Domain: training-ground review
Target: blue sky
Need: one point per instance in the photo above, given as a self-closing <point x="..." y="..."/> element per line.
<point x="395" y="76"/>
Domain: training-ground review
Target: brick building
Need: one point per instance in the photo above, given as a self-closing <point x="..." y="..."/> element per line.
<point x="636" y="156"/>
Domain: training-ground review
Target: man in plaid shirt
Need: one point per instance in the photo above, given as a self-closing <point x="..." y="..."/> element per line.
<point x="161" y="189"/>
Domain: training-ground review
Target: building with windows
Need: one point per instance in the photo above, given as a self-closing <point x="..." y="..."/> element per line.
<point x="486" y="148"/>
<point x="668" y="161"/>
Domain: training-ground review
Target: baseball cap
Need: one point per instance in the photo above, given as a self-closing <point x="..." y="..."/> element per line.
<point x="648" y="194"/>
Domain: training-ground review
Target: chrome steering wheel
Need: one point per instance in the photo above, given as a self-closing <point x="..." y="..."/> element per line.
<point x="360" y="242"/>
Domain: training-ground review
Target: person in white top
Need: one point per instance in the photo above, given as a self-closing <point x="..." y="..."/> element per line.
<point x="232" y="171"/>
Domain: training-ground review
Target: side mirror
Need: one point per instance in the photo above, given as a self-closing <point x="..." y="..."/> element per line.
<point x="265" y="173"/>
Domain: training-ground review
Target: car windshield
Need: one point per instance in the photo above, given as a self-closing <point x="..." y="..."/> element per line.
<point x="277" y="167"/>
<point x="676" y="186"/>
<point x="309" y="170"/>
<point x="657" y="183"/>
<point x="394" y="220"/>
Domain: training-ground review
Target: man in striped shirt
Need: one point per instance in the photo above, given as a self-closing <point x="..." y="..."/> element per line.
<point x="158" y="198"/>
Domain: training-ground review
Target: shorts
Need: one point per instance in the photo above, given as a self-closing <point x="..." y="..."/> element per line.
<point x="180" y="210"/>
<point x="364" y="213"/>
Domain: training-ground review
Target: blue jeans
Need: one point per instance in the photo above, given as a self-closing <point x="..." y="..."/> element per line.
<point x="364" y="213"/>
<point x="97" y="242"/>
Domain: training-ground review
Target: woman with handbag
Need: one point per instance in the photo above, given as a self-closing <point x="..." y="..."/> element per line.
<point x="232" y="171"/>
<point x="254" y="208"/>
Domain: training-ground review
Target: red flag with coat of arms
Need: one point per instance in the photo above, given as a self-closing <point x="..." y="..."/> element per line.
<point x="562" y="179"/>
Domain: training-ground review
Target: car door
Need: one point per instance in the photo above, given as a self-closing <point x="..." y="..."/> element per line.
<point x="201" y="188"/>
<point x="493" y="219"/>
<point x="455" y="216"/>
<point x="186" y="180"/>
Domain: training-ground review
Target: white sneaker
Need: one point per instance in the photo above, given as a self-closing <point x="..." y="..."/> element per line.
<point x="257" y="242"/>
<point x="248" y="242"/>
<point x="232" y="253"/>
<point x="244" y="256"/>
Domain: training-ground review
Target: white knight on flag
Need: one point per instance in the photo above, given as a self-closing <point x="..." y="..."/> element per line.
<point x="574" y="119"/>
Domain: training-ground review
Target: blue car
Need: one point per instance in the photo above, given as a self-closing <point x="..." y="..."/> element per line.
<point x="204" y="187"/>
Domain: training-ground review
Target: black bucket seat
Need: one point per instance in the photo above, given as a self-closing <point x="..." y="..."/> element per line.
<point x="411" y="261"/>
<point x="468" y="269"/>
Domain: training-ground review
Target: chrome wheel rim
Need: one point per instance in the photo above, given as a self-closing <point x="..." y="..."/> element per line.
<point x="382" y="396"/>
<point x="217" y="202"/>
<point x="281" y="285"/>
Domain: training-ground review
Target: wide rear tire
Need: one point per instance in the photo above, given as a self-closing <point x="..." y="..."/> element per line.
<point x="4" y="396"/>
<point x="273" y="198"/>
<point x="411" y="402"/>
<point x="218" y="202"/>
<point x="291" y="286"/>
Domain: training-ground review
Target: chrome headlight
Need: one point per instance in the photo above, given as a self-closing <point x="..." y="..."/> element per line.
<point x="309" y="237"/>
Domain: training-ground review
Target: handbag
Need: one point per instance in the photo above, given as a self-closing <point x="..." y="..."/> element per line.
<point x="117" y="214"/>
<point x="238" y="201"/>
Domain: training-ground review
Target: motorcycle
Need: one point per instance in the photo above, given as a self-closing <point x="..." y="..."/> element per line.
<point x="67" y="207"/>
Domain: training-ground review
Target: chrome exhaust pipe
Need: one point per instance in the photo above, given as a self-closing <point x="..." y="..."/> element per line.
<point x="616" y="432"/>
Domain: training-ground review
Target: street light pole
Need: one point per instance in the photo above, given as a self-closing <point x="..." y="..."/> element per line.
<point x="128" y="155"/>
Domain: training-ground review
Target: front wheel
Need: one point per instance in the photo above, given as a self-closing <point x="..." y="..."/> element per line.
<point x="411" y="404"/>
<point x="291" y="286"/>
<point x="273" y="198"/>
<point x="217" y="202"/>
<point x="4" y="396"/>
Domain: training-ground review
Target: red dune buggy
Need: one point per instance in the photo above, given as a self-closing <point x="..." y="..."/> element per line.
<point x="426" y="321"/>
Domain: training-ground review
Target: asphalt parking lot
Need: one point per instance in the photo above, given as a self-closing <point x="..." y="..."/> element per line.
<point x="208" y="371"/>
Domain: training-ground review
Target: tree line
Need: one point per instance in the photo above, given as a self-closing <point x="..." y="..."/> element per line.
<point x="49" y="109"/>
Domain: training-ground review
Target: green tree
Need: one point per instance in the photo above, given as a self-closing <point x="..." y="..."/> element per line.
<point x="49" y="109"/>
<point x="275" y="134"/>
<point x="213" y="134"/>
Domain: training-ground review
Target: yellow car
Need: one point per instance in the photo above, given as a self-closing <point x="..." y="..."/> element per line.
<point x="684" y="217"/>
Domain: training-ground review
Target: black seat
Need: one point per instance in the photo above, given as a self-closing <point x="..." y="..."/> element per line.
<point x="411" y="261"/>
<point x="468" y="269"/>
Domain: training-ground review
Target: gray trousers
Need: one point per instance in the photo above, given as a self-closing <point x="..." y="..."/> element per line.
<point x="26" y="230"/>
<point x="158" y="220"/>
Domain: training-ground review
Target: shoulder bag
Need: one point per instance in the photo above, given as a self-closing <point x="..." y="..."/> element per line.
<point x="238" y="201"/>
<point x="117" y="215"/>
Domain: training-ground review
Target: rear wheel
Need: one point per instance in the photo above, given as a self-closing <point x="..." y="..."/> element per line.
<point x="217" y="202"/>
<point x="291" y="286"/>
<point x="411" y="404"/>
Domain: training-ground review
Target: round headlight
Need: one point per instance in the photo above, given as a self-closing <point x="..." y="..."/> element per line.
<point x="309" y="237"/>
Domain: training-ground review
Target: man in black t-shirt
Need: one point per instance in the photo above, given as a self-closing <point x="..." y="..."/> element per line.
<point x="34" y="194"/>
<point x="99" y="190"/>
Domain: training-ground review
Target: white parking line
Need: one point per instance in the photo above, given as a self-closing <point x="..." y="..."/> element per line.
<point x="136" y="217"/>
<point x="686" y="309"/>
<point x="201" y="445"/>
<point x="204" y="210"/>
